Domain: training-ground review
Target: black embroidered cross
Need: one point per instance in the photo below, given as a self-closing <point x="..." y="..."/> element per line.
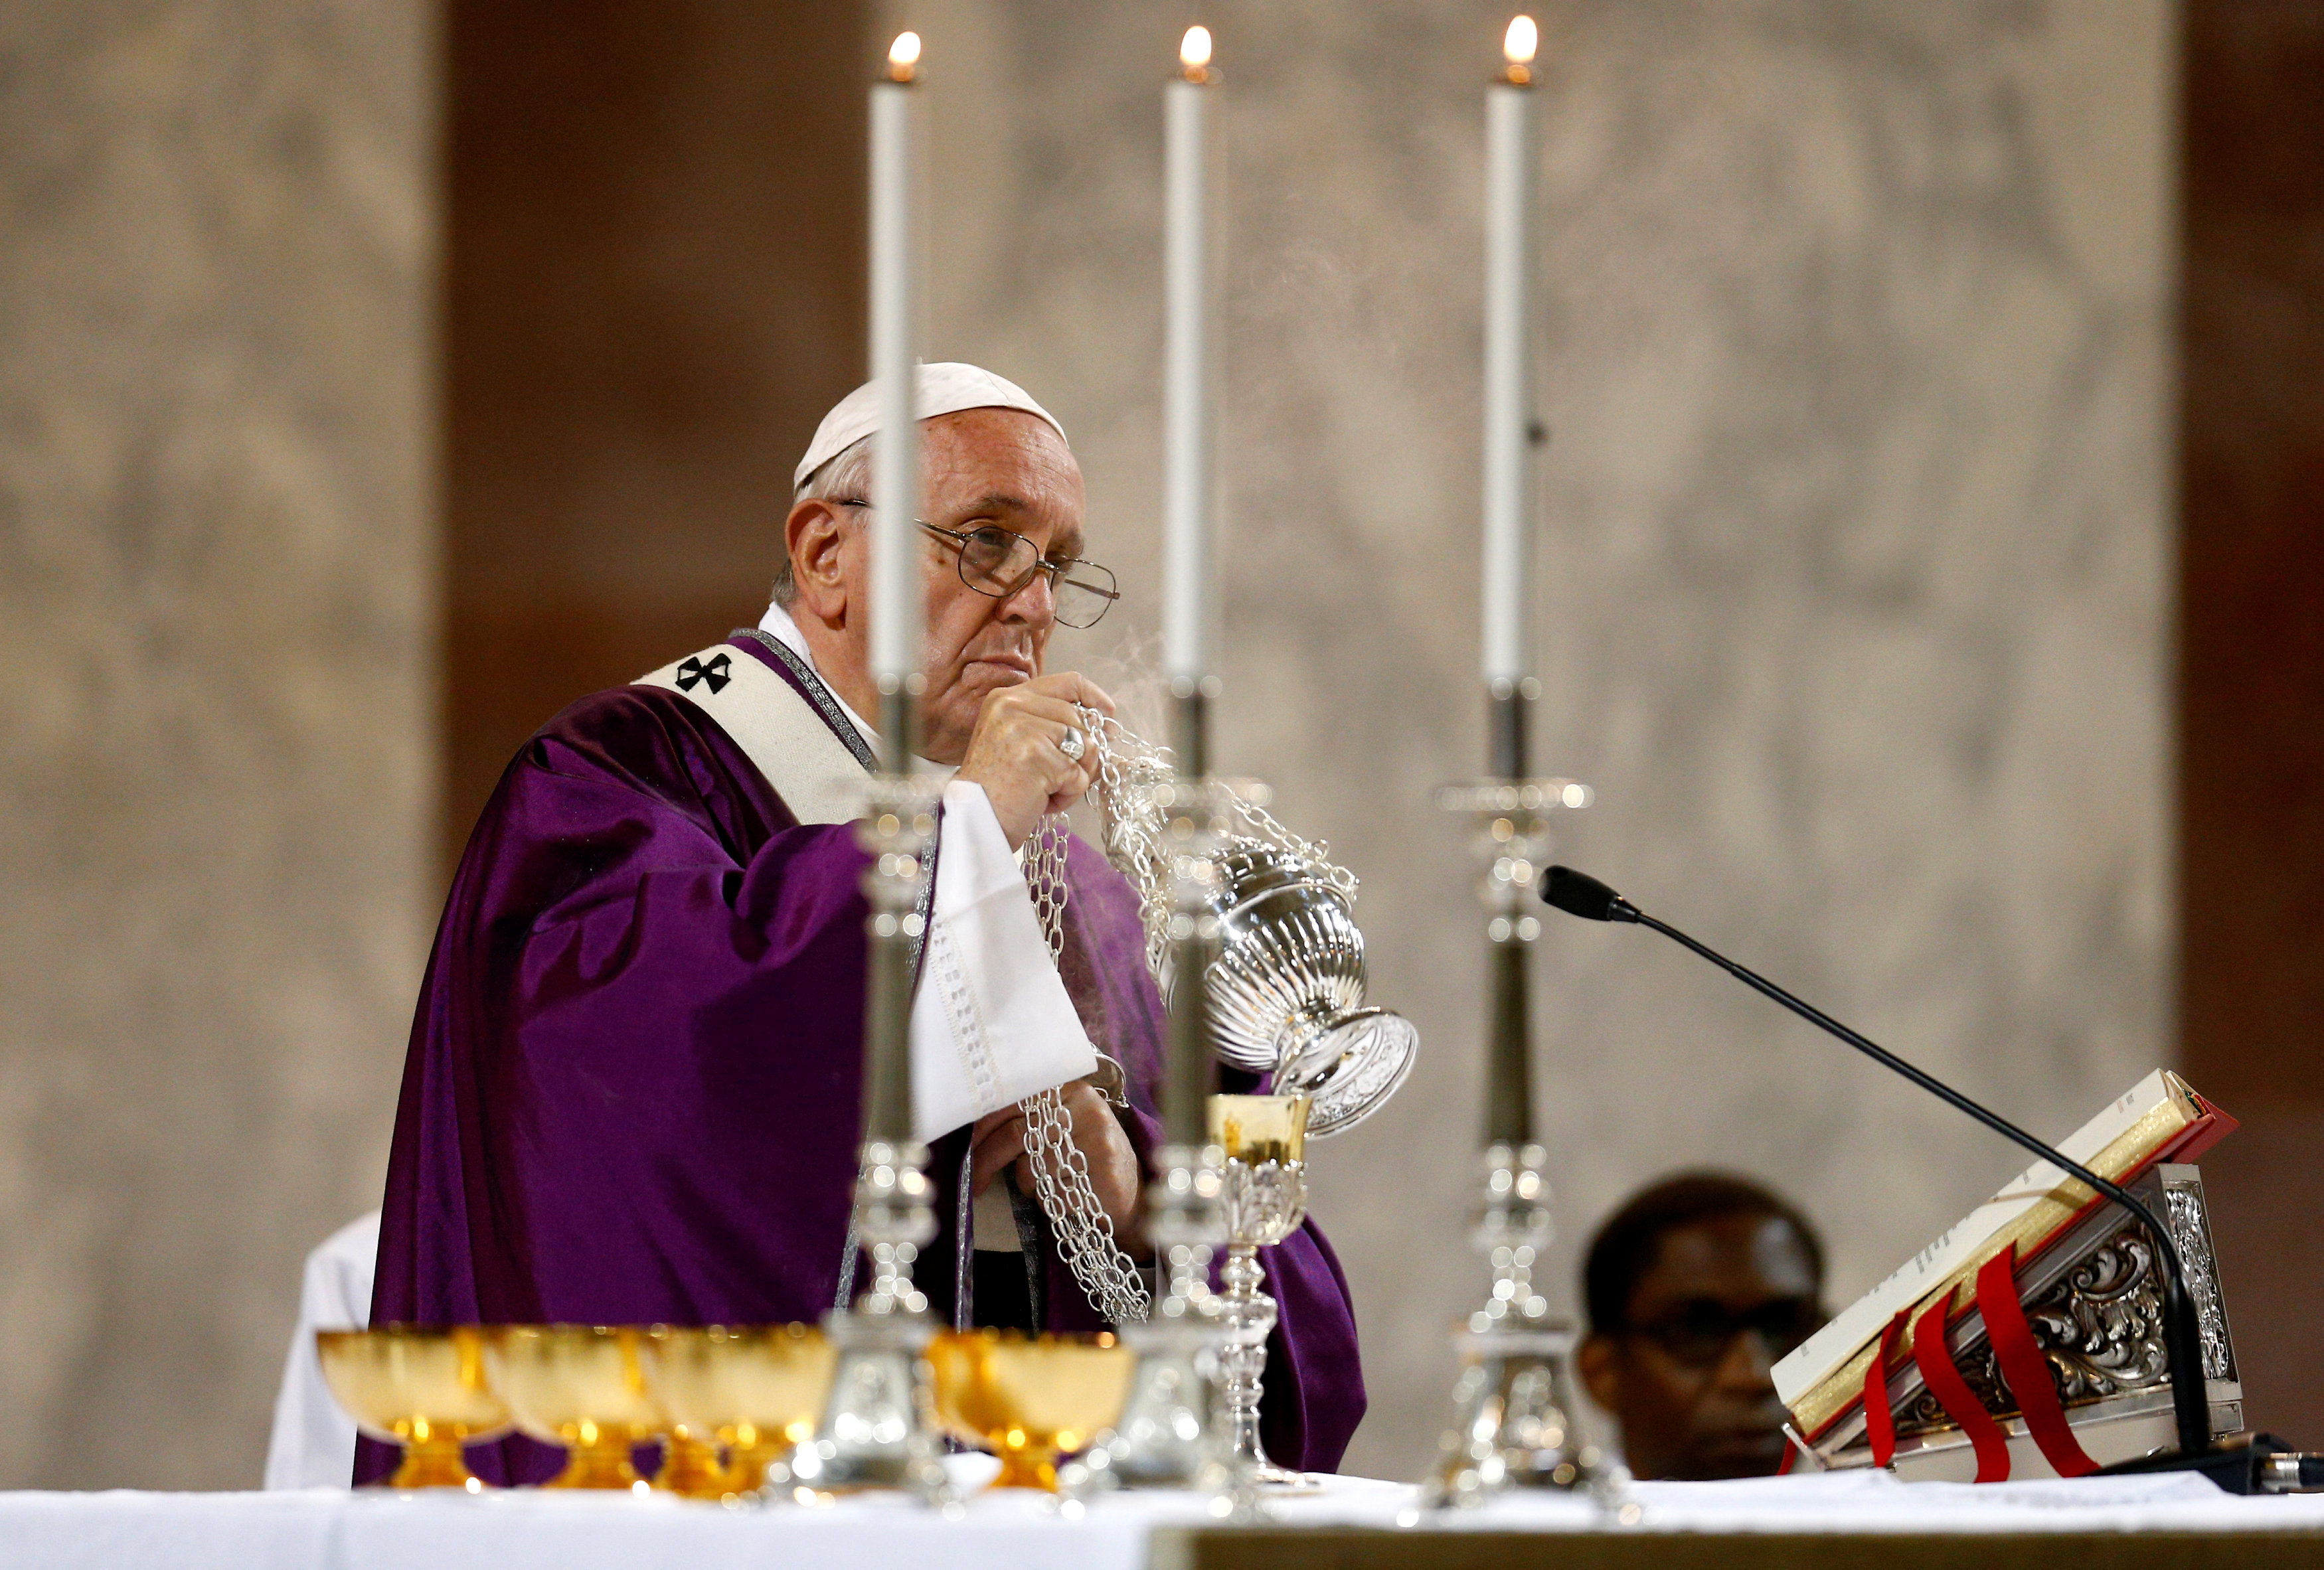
<point x="692" y="670"/>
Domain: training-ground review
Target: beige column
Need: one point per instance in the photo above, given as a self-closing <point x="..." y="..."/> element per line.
<point x="217" y="757"/>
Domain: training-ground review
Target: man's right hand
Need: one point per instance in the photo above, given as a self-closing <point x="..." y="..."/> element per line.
<point x="1013" y="752"/>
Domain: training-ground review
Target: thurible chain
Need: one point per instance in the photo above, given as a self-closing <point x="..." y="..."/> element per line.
<point x="1061" y="1175"/>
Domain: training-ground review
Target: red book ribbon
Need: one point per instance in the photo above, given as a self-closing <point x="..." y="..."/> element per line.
<point x="1953" y="1392"/>
<point x="1791" y="1454"/>
<point x="2024" y="1368"/>
<point x="1879" y="1422"/>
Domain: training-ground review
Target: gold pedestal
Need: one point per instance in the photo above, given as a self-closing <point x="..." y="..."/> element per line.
<point x="600" y="1463"/>
<point x="433" y="1461"/>
<point x="691" y="1467"/>
<point x="755" y="1389"/>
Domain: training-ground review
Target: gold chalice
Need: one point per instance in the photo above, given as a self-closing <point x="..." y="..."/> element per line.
<point x="581" y="1386"/>
<point x="1263" y="1198"/>
<point x="1257" y="1129"/>
<point x="755" y="1389"/>
<point x="420" y="1387"/>
<point x="1029" y="1399"/>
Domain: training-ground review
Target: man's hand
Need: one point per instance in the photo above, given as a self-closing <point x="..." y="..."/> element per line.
<point x="1014" y="751"/>
<point x="1114" y="1176"/>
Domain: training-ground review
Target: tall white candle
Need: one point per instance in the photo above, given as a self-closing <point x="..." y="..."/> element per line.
<point x="1187" y="435"/>
<point x="896" y="590"/>
<point x="1509" y="356"/>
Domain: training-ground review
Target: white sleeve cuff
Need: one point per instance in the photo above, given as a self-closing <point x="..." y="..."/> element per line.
<point x="991" y="1024"/>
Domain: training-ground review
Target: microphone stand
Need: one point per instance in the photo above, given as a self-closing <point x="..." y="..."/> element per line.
<point x="1578" y="894"/>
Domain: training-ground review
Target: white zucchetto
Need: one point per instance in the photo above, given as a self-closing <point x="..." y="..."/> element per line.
<point x="946" y="386"/>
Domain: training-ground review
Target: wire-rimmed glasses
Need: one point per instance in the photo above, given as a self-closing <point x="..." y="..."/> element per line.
<point x="999" y="562"/>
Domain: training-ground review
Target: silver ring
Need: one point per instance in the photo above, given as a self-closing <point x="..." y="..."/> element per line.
<point x="1072" y="745"/>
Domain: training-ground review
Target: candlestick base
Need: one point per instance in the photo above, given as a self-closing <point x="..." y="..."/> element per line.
<point x="1164" y="1438"/>
<point x="1168" y="1436"/>
<point x="1513" y="1408"/>
<point x="878" y="1427"/>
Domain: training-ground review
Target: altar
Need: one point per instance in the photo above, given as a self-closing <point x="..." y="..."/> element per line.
<point x="1796" y="1521"/>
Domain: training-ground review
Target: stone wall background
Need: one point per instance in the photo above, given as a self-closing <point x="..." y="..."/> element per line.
<point x="1854" y="607"/>
<point x="653" y="279"/>
<point x="218" y="744"/>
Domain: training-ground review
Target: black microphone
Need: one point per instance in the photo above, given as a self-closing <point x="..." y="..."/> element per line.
<point x="1580" y="894"/>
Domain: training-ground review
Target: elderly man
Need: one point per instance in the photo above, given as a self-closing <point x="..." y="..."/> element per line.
<point x="634" y="1088"/>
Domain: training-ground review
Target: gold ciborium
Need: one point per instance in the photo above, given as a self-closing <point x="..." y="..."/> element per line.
<point x="422" y="1388"/>
<point x="1029" y="1399"/>
<point x="581" y="1386"/>
<point x="755" y="1389"/>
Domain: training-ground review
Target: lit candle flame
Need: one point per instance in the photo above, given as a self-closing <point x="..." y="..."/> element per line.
<point x="1194" y="53"/>
<point x="903" y="56"/>
<point x="1520" y="42"/>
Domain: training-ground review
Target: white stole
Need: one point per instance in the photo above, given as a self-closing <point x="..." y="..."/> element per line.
<point x="992" y="1024"/>
<point x="820" y="780"/>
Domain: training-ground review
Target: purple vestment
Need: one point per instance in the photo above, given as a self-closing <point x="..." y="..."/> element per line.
<point x="632" y="1092"/>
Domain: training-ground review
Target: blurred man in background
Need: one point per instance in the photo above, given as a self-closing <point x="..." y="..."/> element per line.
<point x="1694" y="1288"/>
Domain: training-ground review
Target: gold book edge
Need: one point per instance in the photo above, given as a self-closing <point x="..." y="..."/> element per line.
<point x="1844" y="1386"/>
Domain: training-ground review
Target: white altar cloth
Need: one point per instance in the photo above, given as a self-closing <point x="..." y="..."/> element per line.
<point x="320" y="1530"/>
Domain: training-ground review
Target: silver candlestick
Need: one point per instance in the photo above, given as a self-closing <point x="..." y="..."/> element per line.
<point x="1265" y="1199"/>
<point x="1166" y="1437"/>
<point x="879" y="1428"/>
<point x="1512" y="1425"/>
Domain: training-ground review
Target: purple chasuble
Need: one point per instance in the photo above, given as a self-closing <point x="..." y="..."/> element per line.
<point x="632" y="1091"/>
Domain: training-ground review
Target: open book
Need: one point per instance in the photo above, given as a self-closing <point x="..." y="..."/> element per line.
<point x="2158" y="1119"/>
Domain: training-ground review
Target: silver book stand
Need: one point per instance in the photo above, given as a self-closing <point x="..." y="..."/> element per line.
<point x="2094" y="1302"/>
